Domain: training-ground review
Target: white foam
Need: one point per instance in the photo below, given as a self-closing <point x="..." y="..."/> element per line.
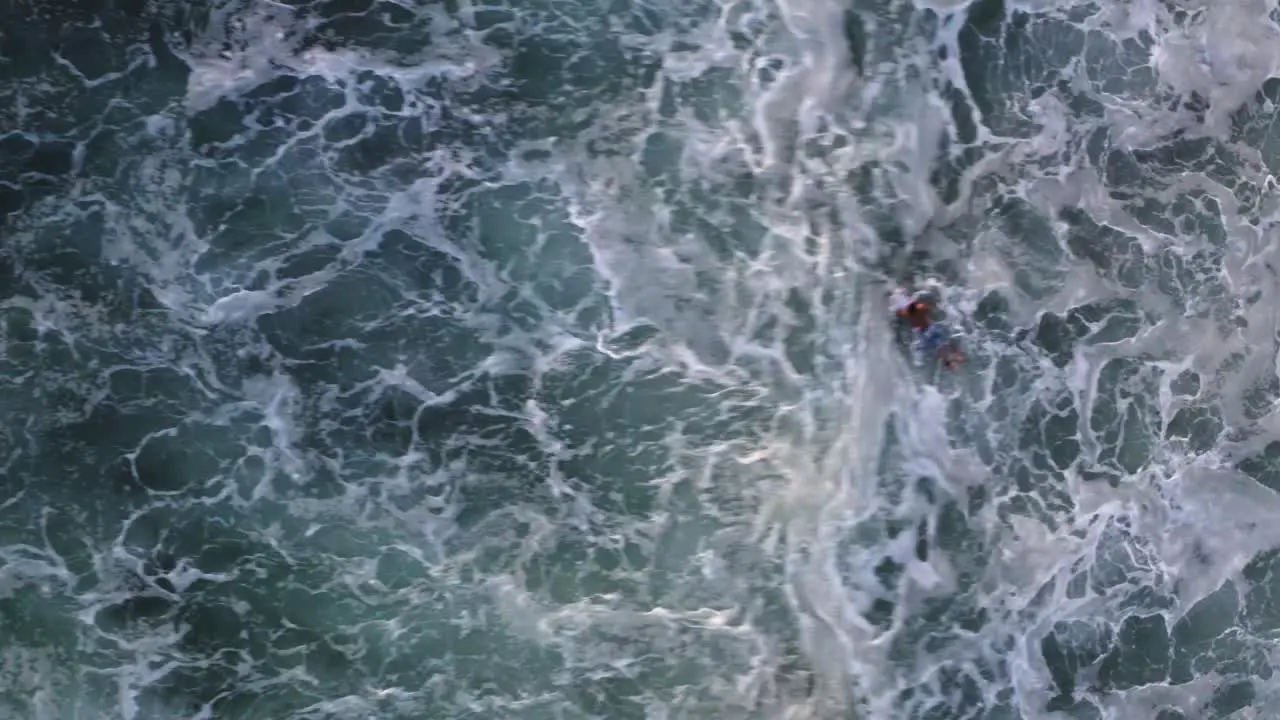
<point x="1225" y="58"/>
<point x="241" y="306"/>
<point x="259" y="40"/>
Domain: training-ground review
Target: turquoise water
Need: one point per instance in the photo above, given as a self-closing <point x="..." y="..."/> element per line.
<point x="371" y="359"/>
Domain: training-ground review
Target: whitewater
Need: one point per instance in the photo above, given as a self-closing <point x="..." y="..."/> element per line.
<point x="380" y="359"/>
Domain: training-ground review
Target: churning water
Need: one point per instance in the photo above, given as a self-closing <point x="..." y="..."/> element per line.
<point x="458" y="359"/>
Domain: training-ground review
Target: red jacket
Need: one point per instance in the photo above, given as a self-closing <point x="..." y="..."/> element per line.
<point x="917" y="315"/>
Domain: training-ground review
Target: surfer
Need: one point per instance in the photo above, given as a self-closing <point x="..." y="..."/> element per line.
<point x="931" y="338"/>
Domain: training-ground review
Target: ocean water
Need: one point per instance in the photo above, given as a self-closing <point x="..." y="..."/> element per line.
<point x="380" y="359"/>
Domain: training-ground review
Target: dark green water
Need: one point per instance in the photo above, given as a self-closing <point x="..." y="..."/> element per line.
<point x="391" y="360"/>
